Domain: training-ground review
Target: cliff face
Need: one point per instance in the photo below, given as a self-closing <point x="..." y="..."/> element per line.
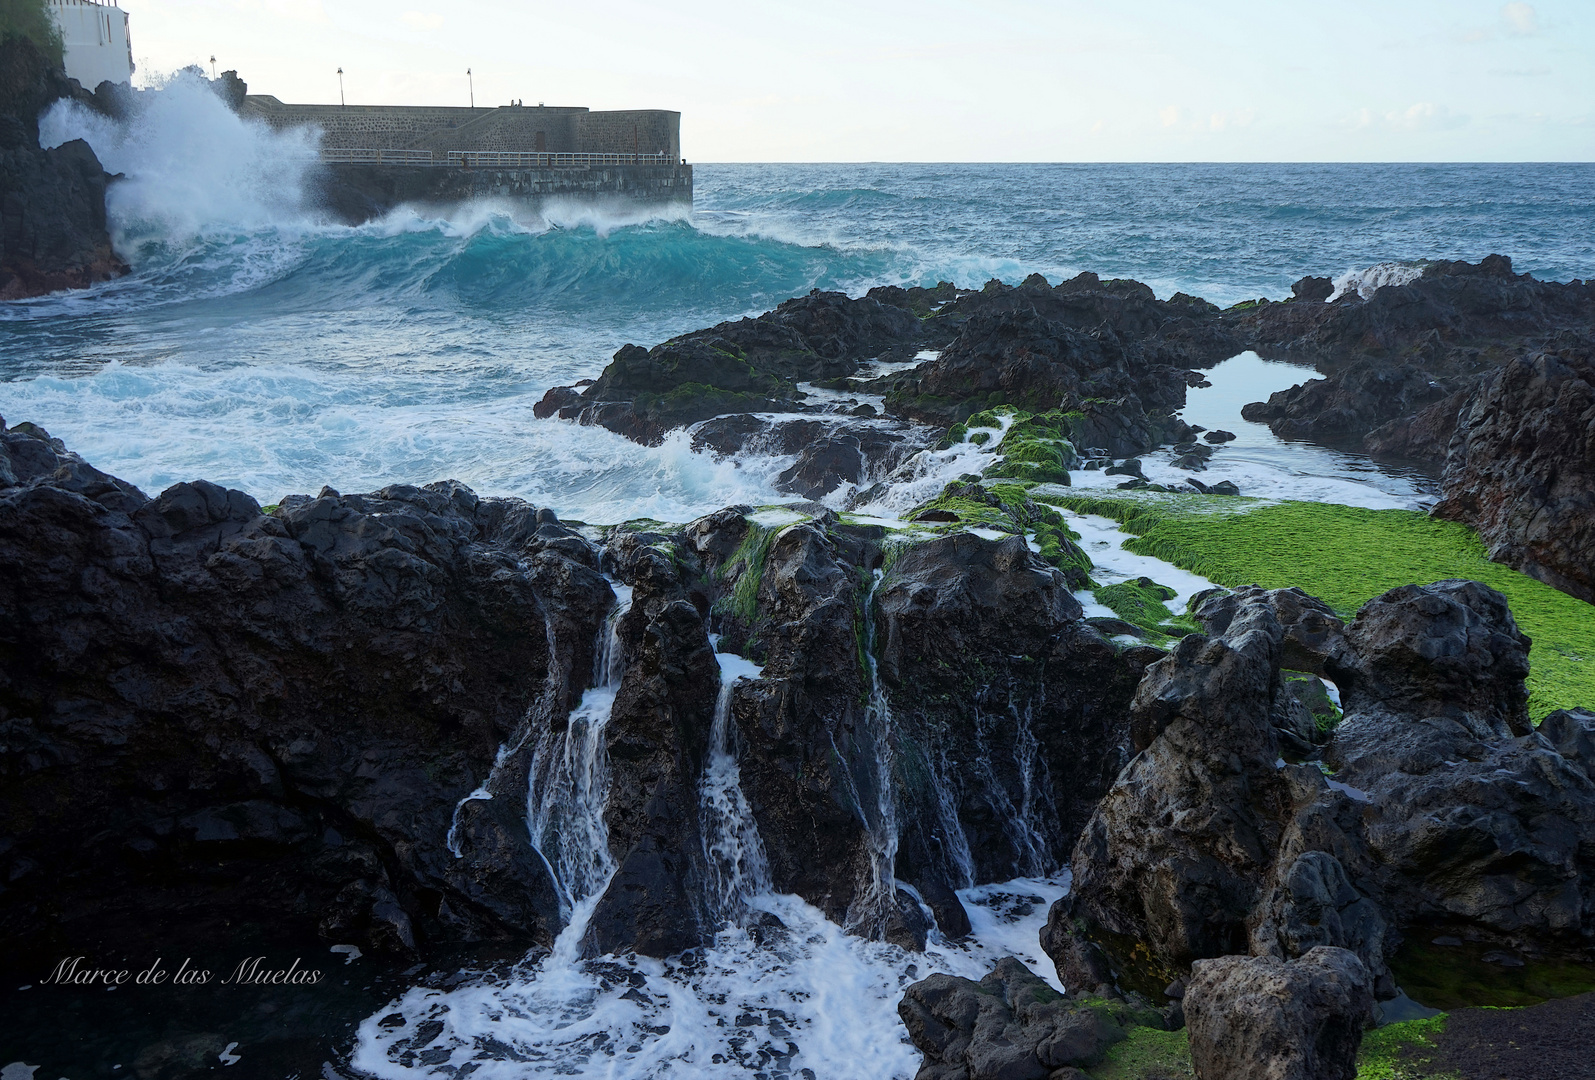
<point x="52" y="202"/>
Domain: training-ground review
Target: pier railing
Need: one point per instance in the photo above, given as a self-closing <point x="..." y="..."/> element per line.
<point x="487" y="159"/>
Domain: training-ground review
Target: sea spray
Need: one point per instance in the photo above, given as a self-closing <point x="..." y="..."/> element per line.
<point x="189" y="165"/>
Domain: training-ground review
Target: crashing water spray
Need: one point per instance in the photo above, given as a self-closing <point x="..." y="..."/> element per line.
<point x="189" y="165"/>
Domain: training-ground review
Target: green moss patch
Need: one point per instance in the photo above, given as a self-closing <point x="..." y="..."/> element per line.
<point x="1148" y="1054"/>
<point x="745" y="570"/>
<point x="1140" y="602"/>
<point x="1400" y="1051"/>
<point x="1009" y="508"/>
<point x="1346" y="556"/>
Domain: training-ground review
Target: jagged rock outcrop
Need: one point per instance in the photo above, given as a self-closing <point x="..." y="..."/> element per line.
<point x="215" y="716"/>
<point x="1174" y="856"/>
<point x="1110" y="352"/>
<point x="52" y="202"/>
<point x="1392" y="356"/>
<point x="1261" y="1018"/>
<point x="1348" y="405"/>
<point x="1011" y="1025"/>
<point x="1521" y="466"/>
<point x="1019" y="738"/>
<point x="1441" y="806"/>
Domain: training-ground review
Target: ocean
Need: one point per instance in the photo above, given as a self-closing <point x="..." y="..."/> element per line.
<point x="257" y="346"/>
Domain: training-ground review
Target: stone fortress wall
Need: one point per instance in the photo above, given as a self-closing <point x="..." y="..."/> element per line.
<point x="555" y="130"/>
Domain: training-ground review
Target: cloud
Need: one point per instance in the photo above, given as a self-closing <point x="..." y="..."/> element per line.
<point x="1521" y="18"/>
<point x="1170" y="115"/>
<point x="417" y="20"/>
<point x="1424" y="116"/>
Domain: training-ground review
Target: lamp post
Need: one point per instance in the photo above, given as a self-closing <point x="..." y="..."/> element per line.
<point x="341" y="103"/>
<point x="471" y="82"/>
<point x="213" y="69"/>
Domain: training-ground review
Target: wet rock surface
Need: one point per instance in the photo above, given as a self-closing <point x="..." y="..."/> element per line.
<point x="1521" y="466"/>
<point x="1435" y="802"/>
<point x="214" y="715"/>
<point x="1011" y="1025"/>
<point x="52" y="202"/>
<point x="327" y="716"/>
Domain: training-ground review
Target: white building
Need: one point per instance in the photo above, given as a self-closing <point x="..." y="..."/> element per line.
<point x="95" y="36"/>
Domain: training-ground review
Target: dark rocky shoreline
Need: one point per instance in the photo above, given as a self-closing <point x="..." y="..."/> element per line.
<point x="52" y="202"/>
<point x="317" y="722"/>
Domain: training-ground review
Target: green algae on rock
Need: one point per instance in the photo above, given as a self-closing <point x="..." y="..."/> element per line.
<point x="1346" y="556"/>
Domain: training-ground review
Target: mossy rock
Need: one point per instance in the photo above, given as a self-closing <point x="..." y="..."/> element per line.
<point x="1346" y="556"/>
<point x="1008" y="508"/>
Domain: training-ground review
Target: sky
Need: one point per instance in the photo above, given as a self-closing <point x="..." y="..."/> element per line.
<point x="937" y="80"/>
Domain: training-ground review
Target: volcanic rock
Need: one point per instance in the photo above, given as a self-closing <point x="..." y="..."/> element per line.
<point x="1521" y="467"/>
<point x="1011" y="1025"/>
<point x="1260" y="1018"/>
<point x="1441" y="806"/>
<point x="52" y="202"/>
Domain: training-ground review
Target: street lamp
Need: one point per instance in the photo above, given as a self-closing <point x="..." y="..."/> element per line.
<point x="213" y="69"/>
<point x="471" y="82"/>
<point x="341" y="103"/>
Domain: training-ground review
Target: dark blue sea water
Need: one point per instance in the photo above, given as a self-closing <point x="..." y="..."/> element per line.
<point x="256" y="346"/>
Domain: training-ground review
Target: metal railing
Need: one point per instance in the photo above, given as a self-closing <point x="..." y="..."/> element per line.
<point x="487" y="159"/>
<point x="501" y="159"/>
<point x="339" y="156"/>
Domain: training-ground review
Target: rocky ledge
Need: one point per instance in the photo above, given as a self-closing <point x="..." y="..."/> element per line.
<point x="52" y="202"/>
<point x="323" y="716"/>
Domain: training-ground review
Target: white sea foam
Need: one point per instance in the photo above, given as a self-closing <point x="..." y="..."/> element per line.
<point x="189" y="164"/>
<point x="805" y="1000"/>
<point x="1371" y="279"/>
<point x="1103" y="540"/>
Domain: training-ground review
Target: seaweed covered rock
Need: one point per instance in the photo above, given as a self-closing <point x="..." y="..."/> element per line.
<point x="1011" y="1025"/>
<point x="1260" y="1018"/>
<point x="1521" y="467"/>
<point x="218" y="717"/>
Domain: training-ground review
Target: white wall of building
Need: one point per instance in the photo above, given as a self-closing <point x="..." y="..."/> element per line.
<point x="95" y="36"/>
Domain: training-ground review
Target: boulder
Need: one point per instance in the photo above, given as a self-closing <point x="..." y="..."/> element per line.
<point x="1011" y="1025"/>
<point x="1261" y="1018"/>
<point x="1521" y="467"/>
<point x="52" y="202"/>
<point x="1434" y="803"/>
<point x="217" y="718"/>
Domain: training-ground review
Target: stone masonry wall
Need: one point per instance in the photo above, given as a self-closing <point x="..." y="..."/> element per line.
<point x="505" y="128"/>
